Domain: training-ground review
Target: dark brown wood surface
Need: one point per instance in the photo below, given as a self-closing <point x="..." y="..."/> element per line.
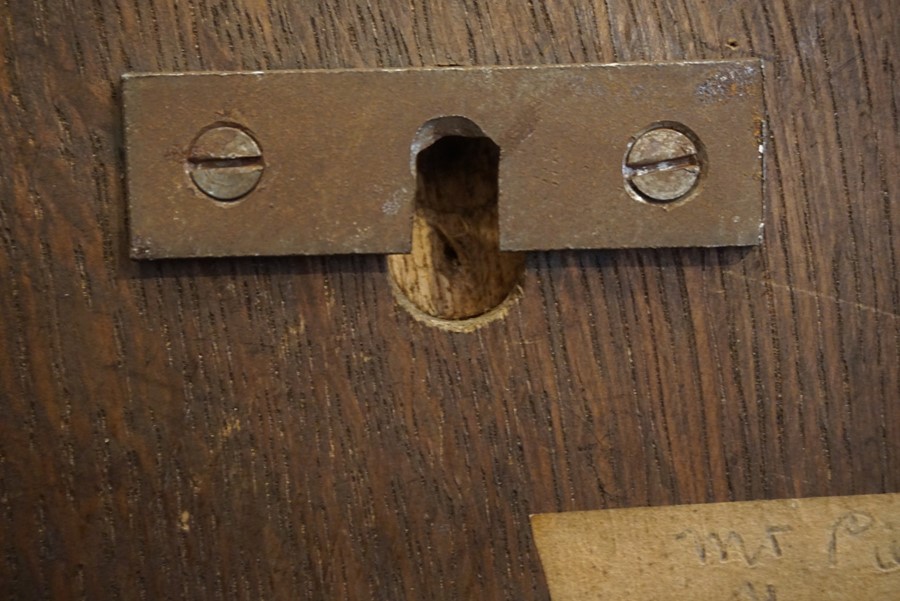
<point x="281" y="429"/>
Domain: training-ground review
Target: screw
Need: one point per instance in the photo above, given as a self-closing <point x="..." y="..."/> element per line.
<point x="225" y="163"/>
<point x="662" y="165"/>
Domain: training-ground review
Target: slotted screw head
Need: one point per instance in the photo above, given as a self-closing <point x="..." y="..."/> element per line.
<point x="662" y="165"/>
<point x="225" y="163"/>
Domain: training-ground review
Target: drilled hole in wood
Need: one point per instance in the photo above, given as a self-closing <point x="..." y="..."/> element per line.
<point x="455" y="270"/>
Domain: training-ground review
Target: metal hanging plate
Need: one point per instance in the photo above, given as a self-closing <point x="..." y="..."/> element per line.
<point x="336" y="171"/>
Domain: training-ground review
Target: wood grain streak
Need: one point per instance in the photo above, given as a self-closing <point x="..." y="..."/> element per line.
<point x="281" y="429"/>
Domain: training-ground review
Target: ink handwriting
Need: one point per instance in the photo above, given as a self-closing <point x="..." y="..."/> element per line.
<point x="724" y="546"/>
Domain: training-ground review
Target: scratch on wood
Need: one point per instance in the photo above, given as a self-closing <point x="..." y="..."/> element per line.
<point x="815" y="294"/>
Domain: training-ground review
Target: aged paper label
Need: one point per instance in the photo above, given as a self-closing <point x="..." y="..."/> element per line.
<point x="829" y="548"/>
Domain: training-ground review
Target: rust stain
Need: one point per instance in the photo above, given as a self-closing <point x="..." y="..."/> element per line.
<point x="731" y="82"/>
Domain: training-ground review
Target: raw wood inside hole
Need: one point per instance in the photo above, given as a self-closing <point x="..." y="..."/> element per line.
<point x="456" y="270"/>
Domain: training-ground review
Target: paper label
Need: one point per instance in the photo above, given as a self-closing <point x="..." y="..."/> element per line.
<point x="828" y="548"/>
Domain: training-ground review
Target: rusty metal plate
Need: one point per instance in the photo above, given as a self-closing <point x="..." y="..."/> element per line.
<point x="322" y="162"/>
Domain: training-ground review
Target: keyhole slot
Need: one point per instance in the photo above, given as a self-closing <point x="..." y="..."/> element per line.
<point x="455" y="271"/>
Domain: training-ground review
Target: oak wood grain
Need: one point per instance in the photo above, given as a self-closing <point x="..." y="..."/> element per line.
<point x="281" y="429"/>
<point x="455" y="271"/>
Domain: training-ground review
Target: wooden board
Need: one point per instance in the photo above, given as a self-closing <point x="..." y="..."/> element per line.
<point x="280" y="428"/>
